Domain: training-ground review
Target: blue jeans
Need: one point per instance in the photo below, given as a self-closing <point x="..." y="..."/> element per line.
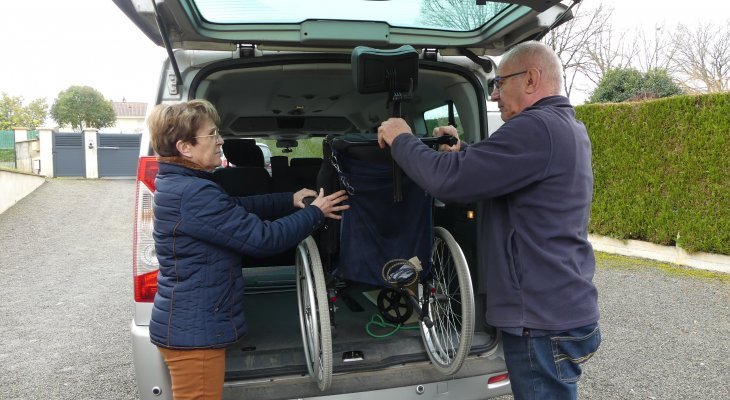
<point x="548" y="367"/>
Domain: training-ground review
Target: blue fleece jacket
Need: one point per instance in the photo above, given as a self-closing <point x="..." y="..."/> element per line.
<point x="533" y="182"/>
<point x="200" y="234"/>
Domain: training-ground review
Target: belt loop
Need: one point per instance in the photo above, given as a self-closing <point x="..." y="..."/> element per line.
<point x="525" y="332"/>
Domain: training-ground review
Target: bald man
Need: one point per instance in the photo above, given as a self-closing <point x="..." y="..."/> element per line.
<point x="533" y="182"/>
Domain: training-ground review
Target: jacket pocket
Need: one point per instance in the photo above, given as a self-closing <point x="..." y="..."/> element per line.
<point x="224" y="298"/>
<point x="514" y="267"/>
<point x="569" y="352"/>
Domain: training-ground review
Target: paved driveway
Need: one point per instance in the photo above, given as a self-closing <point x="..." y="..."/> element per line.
<point x="66" y="304"/>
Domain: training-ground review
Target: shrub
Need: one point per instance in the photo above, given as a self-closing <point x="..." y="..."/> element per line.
<point x="619" y="85"/>
<point x="7" y="155"/>
<point x="662" y="170"/>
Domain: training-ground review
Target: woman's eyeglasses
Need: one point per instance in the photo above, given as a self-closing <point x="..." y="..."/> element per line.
<point x="214" y="134"/>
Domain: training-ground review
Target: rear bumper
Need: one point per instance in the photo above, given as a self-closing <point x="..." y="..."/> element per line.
<point x="414" y="381"/>
<point x="471" y="388"/>
<point x="153" y="379"/>
<point x="419" y="381"/>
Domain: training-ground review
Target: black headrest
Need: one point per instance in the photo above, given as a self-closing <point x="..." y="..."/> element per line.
<point x="243" y="153"/>
<point x="377" y="71"/>
<point x="306" y="161"/>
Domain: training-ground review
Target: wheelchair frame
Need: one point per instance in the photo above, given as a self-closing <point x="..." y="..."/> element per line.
<point x="445" y="302"/>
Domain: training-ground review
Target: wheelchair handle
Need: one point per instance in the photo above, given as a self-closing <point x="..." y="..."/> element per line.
<point x="447" y="139"/>
<point x="430" y="140"/>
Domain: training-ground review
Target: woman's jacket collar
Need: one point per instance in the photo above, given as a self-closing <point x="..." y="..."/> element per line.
<point x="182" y="162"/>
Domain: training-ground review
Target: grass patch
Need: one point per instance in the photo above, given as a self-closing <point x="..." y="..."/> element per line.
<point x="7" y="155"/>
<point x="607" y="260"/>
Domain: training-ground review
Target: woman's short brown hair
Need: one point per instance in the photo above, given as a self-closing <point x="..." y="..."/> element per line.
<point x="169" y="123"/>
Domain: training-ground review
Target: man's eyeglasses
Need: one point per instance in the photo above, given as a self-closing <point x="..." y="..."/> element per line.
<point x="498" y="81"/>
<point x="214" y="134"/>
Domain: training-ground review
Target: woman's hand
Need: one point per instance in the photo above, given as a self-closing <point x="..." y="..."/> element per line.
<point x="300" y="195"/>
<point x="329" y="204"/>
<point x="447" y="130"/>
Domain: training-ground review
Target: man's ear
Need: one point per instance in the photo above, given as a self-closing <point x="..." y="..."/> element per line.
<point x="533" y="80"/>
<point x="184" y="148"/>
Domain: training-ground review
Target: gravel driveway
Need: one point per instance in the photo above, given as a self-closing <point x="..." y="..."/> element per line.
<point x="664" y="336"/>
<point x="66" y="304"/>
<point x="66" y="297"/>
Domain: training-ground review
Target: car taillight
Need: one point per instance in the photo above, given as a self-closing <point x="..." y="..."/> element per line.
<point x="496" y="381"/>
<point x="145" y="265"/>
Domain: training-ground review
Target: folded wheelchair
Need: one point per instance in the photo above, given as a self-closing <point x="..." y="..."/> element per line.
<point x="386" y="240"/>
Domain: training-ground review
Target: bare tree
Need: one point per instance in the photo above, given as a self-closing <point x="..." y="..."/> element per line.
<point x="458" y="14"/>
<point x="583" y="43"/>
<point x="608" y="50"/>
<point x="578" y="43"/>
<point x="657" y="50"/>
<point x="703" y="57"/>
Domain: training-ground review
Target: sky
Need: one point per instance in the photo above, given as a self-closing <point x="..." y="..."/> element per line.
<point x="48" y="45"/>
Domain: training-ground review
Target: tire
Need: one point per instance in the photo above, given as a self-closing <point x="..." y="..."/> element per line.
<point x="450" y="308"/>
<point x="314" y="316"/>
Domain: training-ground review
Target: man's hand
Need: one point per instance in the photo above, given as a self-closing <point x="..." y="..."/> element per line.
<point x="447" y="130"/>
<point x="390" y="129"/>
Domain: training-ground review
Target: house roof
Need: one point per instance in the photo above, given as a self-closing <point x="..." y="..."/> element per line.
<point x="129" y="109"/>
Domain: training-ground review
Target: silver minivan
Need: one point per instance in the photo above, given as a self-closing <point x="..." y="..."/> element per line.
<point x="298" y="76"/>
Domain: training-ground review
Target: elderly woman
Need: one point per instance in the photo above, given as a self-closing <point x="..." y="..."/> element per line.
<point x="200" y="234"/>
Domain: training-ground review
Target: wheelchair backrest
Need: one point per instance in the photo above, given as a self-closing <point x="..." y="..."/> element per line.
<point x="375" y="229"/>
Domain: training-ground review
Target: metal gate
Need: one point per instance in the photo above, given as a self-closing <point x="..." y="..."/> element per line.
<point x="118" y="154"/>
<point x="68" y="155"/>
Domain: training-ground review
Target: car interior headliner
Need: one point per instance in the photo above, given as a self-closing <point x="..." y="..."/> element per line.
<point x="310" y="99"/>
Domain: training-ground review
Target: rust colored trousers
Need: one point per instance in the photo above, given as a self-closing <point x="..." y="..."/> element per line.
<point x="196" y="374"/>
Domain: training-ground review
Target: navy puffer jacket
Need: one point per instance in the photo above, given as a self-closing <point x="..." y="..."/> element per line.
<point x="200" y="234"/>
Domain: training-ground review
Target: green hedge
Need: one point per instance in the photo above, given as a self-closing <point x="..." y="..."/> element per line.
<point x="7" y="155"/>
<point x="662" y="170"/>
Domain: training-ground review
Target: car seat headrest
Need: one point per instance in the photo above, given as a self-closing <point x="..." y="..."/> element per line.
<point x="306" y="161"/>
<point x="243" y="153"/>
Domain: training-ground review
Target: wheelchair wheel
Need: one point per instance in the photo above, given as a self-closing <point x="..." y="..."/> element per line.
<point x="314" y="318"/>
<point x="450" y="300"/>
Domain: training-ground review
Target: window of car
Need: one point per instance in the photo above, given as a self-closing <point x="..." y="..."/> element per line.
<point x="487" y="27"/>
<point x="267" y="152"/>
<point x="306" y="147"/>
<point x="404" y="13"/>
<point x="440" y="117"/>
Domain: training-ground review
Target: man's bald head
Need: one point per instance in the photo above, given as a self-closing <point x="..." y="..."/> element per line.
<point x="534" y="54"/>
